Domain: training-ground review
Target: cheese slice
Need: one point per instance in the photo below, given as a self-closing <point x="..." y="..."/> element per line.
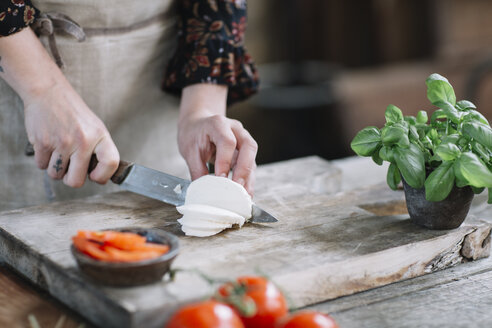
<point x="220" y="192"/>
<point x="213" y="204"/>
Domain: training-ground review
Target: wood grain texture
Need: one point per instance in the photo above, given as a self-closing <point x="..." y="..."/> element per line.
<point x="326" y="244"/>
<point x="18" y="300"/>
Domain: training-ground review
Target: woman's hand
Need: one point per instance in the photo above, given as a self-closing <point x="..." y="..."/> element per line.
<point x="205" y="134"/>
<point x="63" y="130"/>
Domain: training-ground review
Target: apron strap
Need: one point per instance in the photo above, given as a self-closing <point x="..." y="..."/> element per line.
<point x="49" y="23"/>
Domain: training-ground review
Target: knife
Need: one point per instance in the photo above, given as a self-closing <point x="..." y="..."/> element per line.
<point x="162" y="186"/>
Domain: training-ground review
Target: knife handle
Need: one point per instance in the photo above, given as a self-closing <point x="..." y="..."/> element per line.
<point x="120" y="174"/>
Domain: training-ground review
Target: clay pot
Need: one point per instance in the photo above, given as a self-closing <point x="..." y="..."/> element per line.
<point x="446" y="214"/>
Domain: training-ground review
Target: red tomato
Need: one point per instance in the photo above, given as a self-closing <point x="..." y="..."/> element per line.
<point x="307" y="319"/>
<point x="207" y="314"/>
<point x="269" y="301"/>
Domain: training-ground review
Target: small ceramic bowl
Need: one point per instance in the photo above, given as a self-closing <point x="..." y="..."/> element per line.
<point x="131" y="273"/>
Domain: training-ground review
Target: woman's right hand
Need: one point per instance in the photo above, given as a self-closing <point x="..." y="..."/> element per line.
<point x="65" y="133"/>
<point x="61" y="127"/>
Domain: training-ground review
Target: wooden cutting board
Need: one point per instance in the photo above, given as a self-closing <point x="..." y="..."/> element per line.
<point x="330" y="241"/>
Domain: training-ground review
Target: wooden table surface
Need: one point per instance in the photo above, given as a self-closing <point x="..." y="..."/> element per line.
<point x="456" y="297"/>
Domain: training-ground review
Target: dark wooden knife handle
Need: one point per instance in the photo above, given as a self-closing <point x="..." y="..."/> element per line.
<point x="120" y="174"/>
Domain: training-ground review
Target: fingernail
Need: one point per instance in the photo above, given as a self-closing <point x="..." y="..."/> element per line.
<point x="240" y="181"/>
<point x="223" y="175"/>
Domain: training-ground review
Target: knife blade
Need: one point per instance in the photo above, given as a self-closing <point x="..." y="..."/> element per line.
<point x="162" y="186"/>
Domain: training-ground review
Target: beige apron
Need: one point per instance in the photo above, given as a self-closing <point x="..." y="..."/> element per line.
<point x="118" y="70"/>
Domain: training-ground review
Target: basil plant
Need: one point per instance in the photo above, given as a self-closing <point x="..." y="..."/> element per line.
<point x="454" y="148"/>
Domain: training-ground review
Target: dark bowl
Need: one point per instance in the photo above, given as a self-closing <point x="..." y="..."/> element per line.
<point x="131" y="273"/>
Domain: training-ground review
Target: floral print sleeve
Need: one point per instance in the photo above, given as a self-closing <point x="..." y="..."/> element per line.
<point x="16" y="15"/>
<point x="210" y="48"/>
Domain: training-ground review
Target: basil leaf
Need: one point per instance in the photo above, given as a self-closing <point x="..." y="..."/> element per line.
<point x="480" y="132"/>
<point x="474" y="171"/>
<point x="411" y="164"/>
<point x="393" y="114"/>
<point x="477" y="116"/>
<point x="439" y="90"/>
<point x="411" y="120"/>
<point x="376" y="158"/>
<point x="422" y="117"/>
<point x="366" y="141"/>
<point x="477" y="191"/>
<point x="393" y="177"/>
<point x="386" y="153"/>
<point x="448" y="151"/>
<point x="437" y="114"/>
<point x="439" y="183"/>
<point x="392" y="134"/>
<point x="481" y="151"/>
<point x="413" y="132"/>
<point x="452" y="138"/>
<point x="465" y="104"/>
<point x="451" y="112"/>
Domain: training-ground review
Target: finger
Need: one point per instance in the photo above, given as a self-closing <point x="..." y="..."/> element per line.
<point x="250" y="183"/>
<point x="108" y="159"/>
<point x="225" y="143"/>
<point x="58" y="165"/>
<point x="42" y="156"/>
<point x="197" y="165"/>
<point x="77" y="170"/>
<point x="247" y="149"/>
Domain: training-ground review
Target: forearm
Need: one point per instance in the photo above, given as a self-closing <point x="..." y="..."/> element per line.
<point x="26" y="65"/>
<point x="201" y="100"/>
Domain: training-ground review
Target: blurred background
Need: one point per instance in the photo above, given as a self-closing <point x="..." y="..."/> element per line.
<point x="328" y="68"/>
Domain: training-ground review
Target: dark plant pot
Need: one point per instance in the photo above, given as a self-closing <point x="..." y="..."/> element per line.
<point x="446" y="214"/>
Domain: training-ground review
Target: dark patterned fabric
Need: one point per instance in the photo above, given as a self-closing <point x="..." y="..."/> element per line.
<point x="16" y="15"/>
<point x="210" y="44"/>
<point x="210" y="48"/>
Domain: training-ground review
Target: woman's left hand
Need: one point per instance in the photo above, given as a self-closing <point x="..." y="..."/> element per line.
<point x="205" y="135"/>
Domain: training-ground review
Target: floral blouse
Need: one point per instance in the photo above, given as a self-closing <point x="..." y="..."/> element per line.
<point x="210" y="44"/>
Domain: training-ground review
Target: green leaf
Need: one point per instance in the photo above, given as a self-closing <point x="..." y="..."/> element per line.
<point x="439" y="90"/>
<point x="386" y="153"/>
<point x="411" y="164"/>
<point x="439" y="183"/>
<point x="481" y="151"/>
<point x="410" y="119"/>
<point x="393" y="177"/>
<point x="452" y="138"/>
<point x="439" y="113"/>
<point x="451" y="112"/>
<point x="404" y="142"/>
<point x="393" y="114"/>
<point x="366" y="141"/>
<point x="376" y="158"/>
<point x="465" y="104"/>
<point x="477" y="116"/>
<point x="448" y="151"/>
<point x="390" y="135"/>
<point x="413" y="132"/>
<point x="480" y="132"/>
<point x="490" y="195"/>
<point x="471" y="169"/>
<point x="422" y="117"/>
<point x="477" y="191"/>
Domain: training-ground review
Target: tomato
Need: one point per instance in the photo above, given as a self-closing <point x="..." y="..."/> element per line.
<point x="307" y="319"/>
<point x="207" y="314"/>
<point x="270" y="303"/>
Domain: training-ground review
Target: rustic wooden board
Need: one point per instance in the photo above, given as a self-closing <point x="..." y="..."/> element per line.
<point x="327" y="243"/>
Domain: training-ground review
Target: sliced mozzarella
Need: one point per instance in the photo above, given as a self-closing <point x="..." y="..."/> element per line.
<point x="220" y="192"/>
<point x="191" y="231"/>
<point x="203" y="223"/>
<point x="199" y="212"/>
